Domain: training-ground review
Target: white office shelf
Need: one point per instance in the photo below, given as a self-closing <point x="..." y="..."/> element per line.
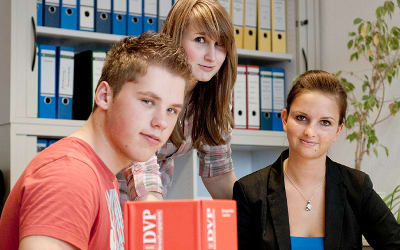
<point x="74" y="37"/>
<point x="46" y="127"/>
<point x="77" y="37"/>
<point x="253" y="139"/>
<point x="266" y="56"/>
<point x="61" y="128"/>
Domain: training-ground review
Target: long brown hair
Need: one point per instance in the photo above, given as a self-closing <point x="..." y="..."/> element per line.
<point x="209" y="103"/>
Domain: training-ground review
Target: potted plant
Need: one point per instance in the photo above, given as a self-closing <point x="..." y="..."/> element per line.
<point x="378" y="42"/>
<point x="393" y="202"/>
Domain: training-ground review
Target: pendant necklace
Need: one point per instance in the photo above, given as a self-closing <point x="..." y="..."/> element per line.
<point x="308" y="207"/>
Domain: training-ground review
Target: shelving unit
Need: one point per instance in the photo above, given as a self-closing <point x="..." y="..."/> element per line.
<point x="19" y="127"/>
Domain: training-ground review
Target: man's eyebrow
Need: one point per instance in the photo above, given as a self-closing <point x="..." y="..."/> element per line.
<point x="149" y="93"/>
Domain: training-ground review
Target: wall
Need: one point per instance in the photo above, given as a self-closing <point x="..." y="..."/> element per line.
<point x="336" y="21"/>
<point x="5" y="55"/>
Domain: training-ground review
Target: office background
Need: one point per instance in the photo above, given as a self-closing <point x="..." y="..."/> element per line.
<point x="328" y="50"/>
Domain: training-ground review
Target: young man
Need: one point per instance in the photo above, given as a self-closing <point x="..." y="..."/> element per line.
<point x="67" y="197"/>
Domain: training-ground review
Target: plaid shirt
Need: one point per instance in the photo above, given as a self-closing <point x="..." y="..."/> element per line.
<point x="156" y="175"/>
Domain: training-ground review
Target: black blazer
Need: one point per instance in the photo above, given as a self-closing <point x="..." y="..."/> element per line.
<point x="352" y="208"/>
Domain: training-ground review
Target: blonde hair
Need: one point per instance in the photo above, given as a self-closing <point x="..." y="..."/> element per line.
<point x="130" y="58"/>
<point x="210" y="16"/>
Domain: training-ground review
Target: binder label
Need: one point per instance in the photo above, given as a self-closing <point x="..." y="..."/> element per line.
<point x="238" y="12"/>
<point x="120" y="6"/>
<point x="279" y="15"/>
<point x="71" y="3"/>
<point x="53" y="2"/>
<point x="265" y="14"/>
<point x="89" y="3"/>
<point x="104" y="5"/>
<point x="150" y="7"/>
<point x="278" y="91"/>
<point x="135" y="7"/>
<point x="66" y="77"/>
<point x="48" y="86"/>
<point x="251" y="16"/>
<point x="266" y="91"/>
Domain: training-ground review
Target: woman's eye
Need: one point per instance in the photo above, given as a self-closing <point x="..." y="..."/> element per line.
<point x="325" y="123"/>
<point x="200" y="39"/>
<point x="172" y="111"/>
<point x="147" y="101"/>
<point x="220" y="44"/>
<point x="300" y="118"/>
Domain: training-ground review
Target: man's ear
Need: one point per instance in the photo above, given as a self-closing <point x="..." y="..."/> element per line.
<point x="284" y="116"/>
<point x="103" y="95"/>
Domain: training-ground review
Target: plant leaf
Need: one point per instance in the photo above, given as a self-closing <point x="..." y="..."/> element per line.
<point x="395" y="31"/>
<point x="357" y="105"/>
<point x="386" y="150"/>
<point x="365" y="85"/>
<point x="389" y="6"/>
<point x="390" y="201"/>
<point x="394" y="44"/>
<point x="351" y="137"/>
<point x="350" y="44"/>
<point x="347" y="85"/>
<point x="376" y="40"/>
<point x="350" y="121"/>
<point x="363" y="30"/>
<point x="379" y="12"/>
<point x="357" y="21"/>
<point x="375" y="152"/>
<point x="394" y="107"/>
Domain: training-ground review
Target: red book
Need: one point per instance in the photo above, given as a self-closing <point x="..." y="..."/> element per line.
<point x="180" y="225"/>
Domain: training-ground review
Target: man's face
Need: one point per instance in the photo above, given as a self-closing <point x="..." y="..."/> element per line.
<point x="143" y="114"/>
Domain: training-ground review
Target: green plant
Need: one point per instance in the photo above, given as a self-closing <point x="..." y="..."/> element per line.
<point x="392" y="200"/>
<point x="378" y="43"/>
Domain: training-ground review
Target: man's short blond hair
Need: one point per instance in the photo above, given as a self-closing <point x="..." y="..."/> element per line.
<point x="129" y="59"/>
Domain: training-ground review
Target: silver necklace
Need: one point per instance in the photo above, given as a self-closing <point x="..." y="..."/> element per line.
<point x="308" y="207"/>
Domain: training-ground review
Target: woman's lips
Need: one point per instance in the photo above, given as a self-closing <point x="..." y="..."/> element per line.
<point x="206" y="68"/>
<point x="309" y="143"/>
<point x="152" y="139"/>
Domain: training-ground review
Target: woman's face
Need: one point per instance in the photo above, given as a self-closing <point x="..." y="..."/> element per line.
<point x="312" y="124"/>
<point x="204" y="54"/>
